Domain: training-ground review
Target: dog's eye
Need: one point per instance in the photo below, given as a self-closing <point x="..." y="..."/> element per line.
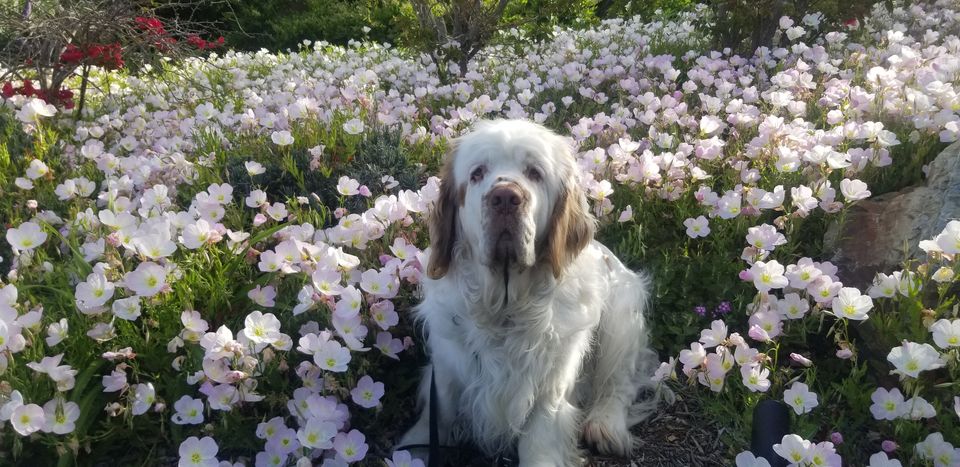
<point x="477" y="174"/>
<point x="534" y="174"/>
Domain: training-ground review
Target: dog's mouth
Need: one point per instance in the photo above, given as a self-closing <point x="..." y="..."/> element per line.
<point x="505" y="247"/>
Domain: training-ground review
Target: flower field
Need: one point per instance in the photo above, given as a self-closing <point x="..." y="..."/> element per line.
<point x="217" y="263"/>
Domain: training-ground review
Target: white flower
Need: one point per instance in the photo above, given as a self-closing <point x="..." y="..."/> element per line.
<point x="912" y="358"/>
<point x="147" y="280"/>
<point x="347" y="186"/>
<point x="883" y="286"/>
<point x="261" y="328"/>
<point x="95" y="291"/>
<point x="23" y="183"/>
<point x="36" y="169"/>
<point x="277" y="211"/>
<point x="189" y="411"/>
<point x="795" y="32"/>
<point x="794" y="449"/>
<point x="102" y="332"/>
<point x="198" y="452"/>
<point x="332" y="356"/>
<point x="115" y="381"/>
<point x="198" y="234"/>
<point x="946" y="333"/>
<point x="353" y="126"/>
<point x="254" y="168"/>
<point x="27" y="419"/>
<point x="747" y="459"/>
<point x="35" y="108"/>
<point x="793" y="306"/>
<point x="143" y="398"/>
<point x="710" y="124"/>
<point x="768" y="275"/>
<point x="755" y="377"/>
<point x="27" y="236"/>
<point x="850" y="304"/>
<point x="800" y="398"/>
<point x="944" y="275"/>
<point x="803" y="273"/>
<point x="932" y="446"/>
<point x="699" y="227"/>
<point x="715" y="335"/>
<point x="61" y="417"/>
<point x="255" y="199"/>
<point x="281" y="138"/>
<point x="317" y="433"/>
<point x="692" y="358"/>
<point x="949" y="239"/>
<point x="57" y="332"/>
<point x="854" y="190"/>
<point x="887" y="405"/>
<point x="917" y="408"/>
<point x="880" y="459"/>
<point x="127" y="308"/>
<point x="765" y="237"/>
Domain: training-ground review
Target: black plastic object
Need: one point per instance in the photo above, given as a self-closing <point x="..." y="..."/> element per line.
<point x="771" y="421"/>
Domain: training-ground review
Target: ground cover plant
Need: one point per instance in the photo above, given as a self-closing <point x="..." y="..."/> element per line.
<point x="216" y="263"/>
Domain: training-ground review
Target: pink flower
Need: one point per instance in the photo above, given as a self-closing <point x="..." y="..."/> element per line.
<point x="367" y="394"/>
<point x="350" y="447"/>
<point x="388" y="345"/>
<point x="768" y="275"/>
<point x="804" y="361"/>
<point x="800" y="398"/>
<point x="263" y="296"/>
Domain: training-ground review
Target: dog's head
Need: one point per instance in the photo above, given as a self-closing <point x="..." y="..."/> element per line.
<point x="510" y="191"/>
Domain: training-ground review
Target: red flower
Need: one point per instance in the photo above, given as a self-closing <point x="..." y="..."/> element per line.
<point x="7" y="91"/>
<point x="109" y="56"/>
<point x="201" y="44"/>
<point x="197" y="42"/>
<point x="72" y="54"/>
<point x="152" y="25"/>
<point x="27" y="89"/>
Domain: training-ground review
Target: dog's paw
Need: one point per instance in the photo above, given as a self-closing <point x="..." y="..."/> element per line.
<point x="608" y="434"/>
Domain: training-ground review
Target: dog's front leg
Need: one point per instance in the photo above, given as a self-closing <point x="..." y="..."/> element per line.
<point x="551" y="432"/>
<point x="550" y="438"/>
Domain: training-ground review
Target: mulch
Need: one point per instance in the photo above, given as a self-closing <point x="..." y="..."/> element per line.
<point x="679" y="434"/>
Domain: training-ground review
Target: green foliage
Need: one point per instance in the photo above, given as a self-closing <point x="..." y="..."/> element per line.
<point x="745" y="25"/>
<point x="646" y="9"/>
<point x="285" y="24"/>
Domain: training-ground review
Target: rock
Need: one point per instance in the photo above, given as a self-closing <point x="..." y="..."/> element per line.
<point x="879" y="233"/>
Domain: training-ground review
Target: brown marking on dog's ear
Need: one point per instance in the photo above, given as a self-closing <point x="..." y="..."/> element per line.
<point x="443" y="221"/>
<point x="571" y="227"/>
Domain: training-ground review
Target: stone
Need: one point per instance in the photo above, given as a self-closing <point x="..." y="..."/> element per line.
<point x="879" y="234"/>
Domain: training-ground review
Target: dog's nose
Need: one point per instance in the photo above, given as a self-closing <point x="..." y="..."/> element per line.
<point x="505" y="199"/>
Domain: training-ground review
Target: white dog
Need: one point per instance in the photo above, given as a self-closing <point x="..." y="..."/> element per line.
<point x="535" y="331"/>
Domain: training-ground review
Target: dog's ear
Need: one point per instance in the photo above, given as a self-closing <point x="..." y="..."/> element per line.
<point x="571" y="226"/>
<point x="443" y="221"/>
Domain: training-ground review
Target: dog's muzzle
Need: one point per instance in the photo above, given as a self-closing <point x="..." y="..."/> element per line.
<point x="505" y="204"/>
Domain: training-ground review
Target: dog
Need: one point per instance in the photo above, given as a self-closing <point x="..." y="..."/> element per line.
<point x="535" y="331"/>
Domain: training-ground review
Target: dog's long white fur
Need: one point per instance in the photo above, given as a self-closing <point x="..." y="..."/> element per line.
<point x="523" y="357"/>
